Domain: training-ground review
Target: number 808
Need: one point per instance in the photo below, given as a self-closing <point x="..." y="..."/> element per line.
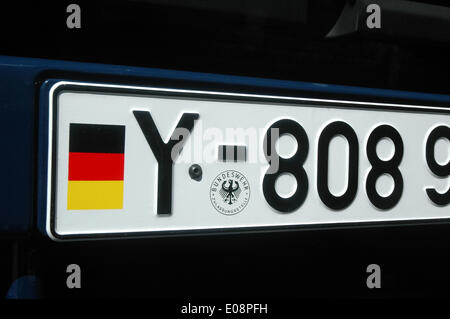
<point x="294" y="166"/>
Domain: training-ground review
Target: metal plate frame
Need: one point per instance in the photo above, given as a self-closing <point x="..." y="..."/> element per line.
<point x="57" y="86"/>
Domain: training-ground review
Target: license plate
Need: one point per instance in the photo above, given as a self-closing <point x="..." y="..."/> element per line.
<point x="142" y="161"/>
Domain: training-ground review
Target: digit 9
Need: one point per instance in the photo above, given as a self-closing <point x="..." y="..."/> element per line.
<point x="442" y="131"/>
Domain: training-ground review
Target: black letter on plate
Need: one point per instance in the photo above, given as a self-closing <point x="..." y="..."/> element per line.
<point x="437" y="169"/>
<point x="329" y="132"/>
<point x="380" y="167"/>
<point x="293" y="165"/>
<point x="163" y="152"/>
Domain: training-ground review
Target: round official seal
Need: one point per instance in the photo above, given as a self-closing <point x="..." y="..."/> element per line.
<point x="229" y="192"/>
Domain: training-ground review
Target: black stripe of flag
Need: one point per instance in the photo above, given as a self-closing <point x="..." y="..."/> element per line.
<point x="97" y="138"/>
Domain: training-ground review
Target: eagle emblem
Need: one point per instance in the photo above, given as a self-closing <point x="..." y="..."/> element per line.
<point x="230" y="191"/>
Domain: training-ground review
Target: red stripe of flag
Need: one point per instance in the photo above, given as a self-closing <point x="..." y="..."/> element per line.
<point x="96" y="166"/>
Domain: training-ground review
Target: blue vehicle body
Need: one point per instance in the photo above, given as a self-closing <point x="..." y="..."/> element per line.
<point x="23" y="126"/>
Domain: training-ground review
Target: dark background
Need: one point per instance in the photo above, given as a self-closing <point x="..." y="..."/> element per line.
<point x="266" y="39"/>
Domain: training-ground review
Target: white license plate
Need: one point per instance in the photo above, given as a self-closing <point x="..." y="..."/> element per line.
<point x="118" y="166"/>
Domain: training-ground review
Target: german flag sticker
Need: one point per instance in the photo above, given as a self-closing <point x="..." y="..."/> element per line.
<point x="96" y="166"/>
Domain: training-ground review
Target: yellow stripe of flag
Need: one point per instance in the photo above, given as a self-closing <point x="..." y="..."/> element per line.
<point x="95" y="195"/>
